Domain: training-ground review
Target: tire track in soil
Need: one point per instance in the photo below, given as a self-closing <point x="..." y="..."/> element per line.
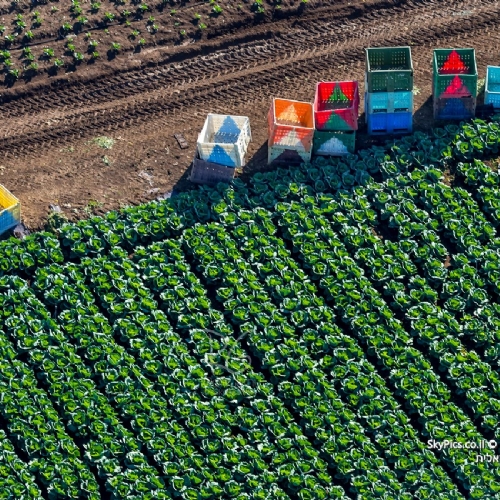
<point x="201" y="68"/>
<point x="427" y="24"/>
<point x="221" y="63"/>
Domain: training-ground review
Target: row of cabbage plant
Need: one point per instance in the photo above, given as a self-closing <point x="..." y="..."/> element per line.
<point x="249" y="306"/>
<point x="16" y="479"/>
<point x="469" y="286"/>
<point x="437" y="328"/>
<point x="34" y="426"/>
<point x="374" y="324"/>
<point x="83" y="408"/>
<point x="180" y="377"/>
<point x="184" y="299"/>
<point x="388" y="424"/>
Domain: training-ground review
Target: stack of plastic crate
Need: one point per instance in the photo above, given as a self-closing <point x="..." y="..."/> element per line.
<point x="291" y="131"/>
<point x="492" y="87"/>
<point x="389" y="90"/>
<point x="336" y="108"/>
<point x="10" y="210"/>
<point x="454" y="84"/>
<point x="222" y="147"/>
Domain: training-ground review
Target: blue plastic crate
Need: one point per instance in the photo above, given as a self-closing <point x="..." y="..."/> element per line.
<point x="389" y="102"/>
<point x="492" y="86"/>
<point x="454" y="108"/>
<point x="389" y="123"/>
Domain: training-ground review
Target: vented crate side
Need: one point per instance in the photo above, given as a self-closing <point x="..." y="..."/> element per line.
<point x="339" y="120"/>
<point x="492" y="78"/>
<point x="388" y="69"/>
<point x="10" y="210"/>
<point x="389" y="102"/>
<point x="388" y="58"/>
<point x="336" y="106"/>
<point x="291" y="137"/>
<point x="291" y="113"/>
<point x="229" y="155"/>
<point x="492" y="98"/>
<point x="204" y="172"/>
<point x="492" y="86"/>
<point x="454" y="62"/>
<point x="334" y="143"/>
<point x="280" y="155"/>
<point x="444" y="86"/>
<point x="335" y="95"/>
<point x="460" y="108"/>
<point x="224" y="139"/>
<point x="225" y="129"/>
<point x="389" y="123"/>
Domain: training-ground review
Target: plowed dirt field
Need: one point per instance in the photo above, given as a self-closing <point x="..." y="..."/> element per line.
<point x="140" y="99"/>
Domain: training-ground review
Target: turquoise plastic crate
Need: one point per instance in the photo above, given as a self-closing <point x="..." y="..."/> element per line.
<point x="389" y="102"/>
<point x="389" y="69"/>
<point x="492" y="86"/>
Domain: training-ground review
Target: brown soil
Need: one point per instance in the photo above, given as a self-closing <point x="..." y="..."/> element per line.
<point x="140" y="99"/>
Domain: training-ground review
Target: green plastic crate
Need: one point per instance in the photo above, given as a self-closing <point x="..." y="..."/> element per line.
<point x="389" y="69"/>
<point x="333" y="143"/>
<point x="455" y="73"/>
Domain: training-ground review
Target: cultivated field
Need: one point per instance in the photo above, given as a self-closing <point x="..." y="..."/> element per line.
<point x="315" y="332"/>
<point x="308" y="335"/>
<point x="140" y="99"/>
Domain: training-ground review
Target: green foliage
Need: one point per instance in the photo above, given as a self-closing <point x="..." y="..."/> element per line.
<point x="279" y="338"/>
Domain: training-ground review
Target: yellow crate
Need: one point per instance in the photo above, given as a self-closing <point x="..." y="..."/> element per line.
<point x="10" y="210"/>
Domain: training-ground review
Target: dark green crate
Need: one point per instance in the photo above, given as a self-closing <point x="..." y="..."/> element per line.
<point x="389" y="69"/>
<point x="441" y="82"/>
<point x="333" y="143"/>
<point x="468" y="77"/>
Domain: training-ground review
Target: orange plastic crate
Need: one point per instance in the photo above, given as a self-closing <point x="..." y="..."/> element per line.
<point x="291" y="124"/>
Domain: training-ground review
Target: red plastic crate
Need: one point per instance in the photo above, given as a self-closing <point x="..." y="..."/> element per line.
<point x="336" y="106"/>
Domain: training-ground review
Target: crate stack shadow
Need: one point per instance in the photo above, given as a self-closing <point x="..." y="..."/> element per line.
<point x="454" y="84"/>
<point x="221" y="148"/>
<point x="389" y="90"/>
<point x="336" y="109"/>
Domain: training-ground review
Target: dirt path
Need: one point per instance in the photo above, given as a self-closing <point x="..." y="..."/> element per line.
<point x="47" y="152"/>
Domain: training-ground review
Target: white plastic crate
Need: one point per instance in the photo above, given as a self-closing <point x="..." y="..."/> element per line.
<point x="10" y="210"/>
<point x="224" y="140"/>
